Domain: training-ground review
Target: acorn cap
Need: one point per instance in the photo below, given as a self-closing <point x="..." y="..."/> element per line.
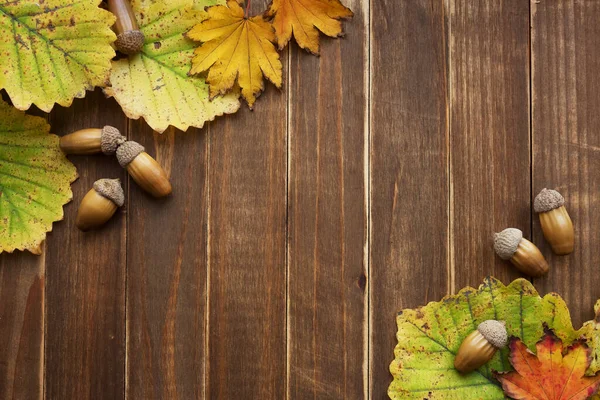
<point x="548" y="200"/>
<point x="494" y="332"/>
<point x="110" y="139"/>
<point x="111" y="189"/>
<point x="130" y="42"/>
<point x="507" y="242"/>
<point x="128" y="151"/>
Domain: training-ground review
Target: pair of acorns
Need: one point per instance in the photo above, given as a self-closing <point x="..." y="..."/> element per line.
<point x="556" y="226"/>
<point x="106" y="195"/>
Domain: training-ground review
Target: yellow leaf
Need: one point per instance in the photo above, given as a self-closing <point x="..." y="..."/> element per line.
<point x="54" y="50"/>
<point x="236" y="48"/>
<point x="304" y="17"/>
<point x="155" y="84"/>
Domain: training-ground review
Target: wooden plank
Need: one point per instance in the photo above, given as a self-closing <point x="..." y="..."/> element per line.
<point x="22" y="293"/>
<point x="566" y="144"/>
<point x="21" y="326"/>
<point x="327" y="319"/>
<point x="489" y="134"/>
<point x="409" y="170"/>
<point x="166" y="271"/>
<point x="247" y="249"/>
<point x="85" y="284"/>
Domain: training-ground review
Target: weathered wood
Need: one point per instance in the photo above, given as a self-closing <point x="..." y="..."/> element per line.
<point x="409" y="170"/>
<point x="566" y="144"/>
<point x="246" y="249"/>
<point x="327" y="223"/>
<point x="166" y="270"/>
<point x="489" y="134"/>
<point x="85" y="276"/>
<point x="21" y="326"/>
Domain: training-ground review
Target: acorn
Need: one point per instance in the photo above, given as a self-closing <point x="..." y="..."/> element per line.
<point x="480" y="346"/>
<point x="130" y="39"/>
<point x="92" y="141"/>
<point x="555" y="220"/>
<point x="510" y="245"/>
<point x="100" y="204"/>
<point x="144" y="169"/>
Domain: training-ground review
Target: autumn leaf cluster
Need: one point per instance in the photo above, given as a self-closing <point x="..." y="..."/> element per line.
<point x="240" y="49"/>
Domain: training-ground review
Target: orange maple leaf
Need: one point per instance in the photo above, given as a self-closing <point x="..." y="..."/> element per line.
<point x="551" y="375"/>
<point x="236" y="48"/>
<point x="302" y="18"/>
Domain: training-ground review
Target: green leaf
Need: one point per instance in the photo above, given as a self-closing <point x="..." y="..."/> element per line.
<point x="35" y="180"/>
<point x="155" y="84"/>
<point x="54" y="50"/>
<point x="429" y="337"/>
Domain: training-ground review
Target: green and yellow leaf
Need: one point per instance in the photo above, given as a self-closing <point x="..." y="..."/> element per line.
<point x="35" y="180"/>
<point x="236" y="48"/>
<point x="429" y="338"/>
<point x="52" y="51"/>
<point x="155" y="84"/>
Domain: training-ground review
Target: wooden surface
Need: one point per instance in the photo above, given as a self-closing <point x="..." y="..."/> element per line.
<point x="372" y="182"/>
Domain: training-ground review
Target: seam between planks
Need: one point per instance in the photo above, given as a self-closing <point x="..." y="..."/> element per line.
<point x="288" y="350"/>
<point x="367" y="20"/>
<point x="207" y="263"/>
<point x="446" y="35"/>
<point x="126" y="357"/>
<point x="369" y="196"/>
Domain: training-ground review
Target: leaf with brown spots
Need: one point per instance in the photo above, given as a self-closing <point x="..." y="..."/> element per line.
<point x="155" y="84"/>
<point x="429" y="338"/>
<point x="35" y="180"/>
<point x="52" y="51"/>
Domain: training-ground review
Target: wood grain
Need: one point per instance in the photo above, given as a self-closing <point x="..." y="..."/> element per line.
<point x="327" y="224"/>
<point x="566" y="144"/>
<point x="247" y="249"/>
<point x="85" y="276"/>
<point x="489" y="134"/>
<point x="22" y="326"/>
<point x="166" y="271"/>
<point x="409" y="170"/>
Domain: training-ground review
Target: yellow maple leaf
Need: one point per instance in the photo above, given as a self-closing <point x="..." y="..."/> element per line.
<point x="236" y="48"/>
<point x="302" y="18"/>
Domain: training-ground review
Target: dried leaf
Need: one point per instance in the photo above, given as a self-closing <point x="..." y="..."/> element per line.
<point x="35" y="180"/>
<point x="155" y="84"/>
<point x="236" y="48"/>
<point x="302" y="18"/>
<point x="429" y="338"/>
<point x="54" y="50"/>
<point x="551" y="375"/>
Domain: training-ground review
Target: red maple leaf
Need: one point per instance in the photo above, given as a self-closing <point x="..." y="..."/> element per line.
<point x="552" y="374"/>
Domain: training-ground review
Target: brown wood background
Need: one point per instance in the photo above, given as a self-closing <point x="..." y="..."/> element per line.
<point x="373" y="182"/>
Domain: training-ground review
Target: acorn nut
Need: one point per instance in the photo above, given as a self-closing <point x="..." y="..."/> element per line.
<point x="510" y="245"/>
<point x="555" y="220"/>
<point x="92" y="141"/>
<point x="144" y="169"/>
<point x="100" y="204"/>
<point x="480" y="346"/>
<point x="130" y="39"/>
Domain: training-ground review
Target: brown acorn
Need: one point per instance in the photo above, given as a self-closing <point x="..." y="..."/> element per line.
<point x="555" y="220"/>
<point x="130" y="39"/>
<point x="480" y="346"/>
<point x="510" y="245"/>
<point x="92" y="141"/>
<point x="144" y="169"/>
<point x="100" y="204"/>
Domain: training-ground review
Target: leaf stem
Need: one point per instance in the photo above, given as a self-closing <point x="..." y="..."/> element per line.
<point x="247" y="7"/>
